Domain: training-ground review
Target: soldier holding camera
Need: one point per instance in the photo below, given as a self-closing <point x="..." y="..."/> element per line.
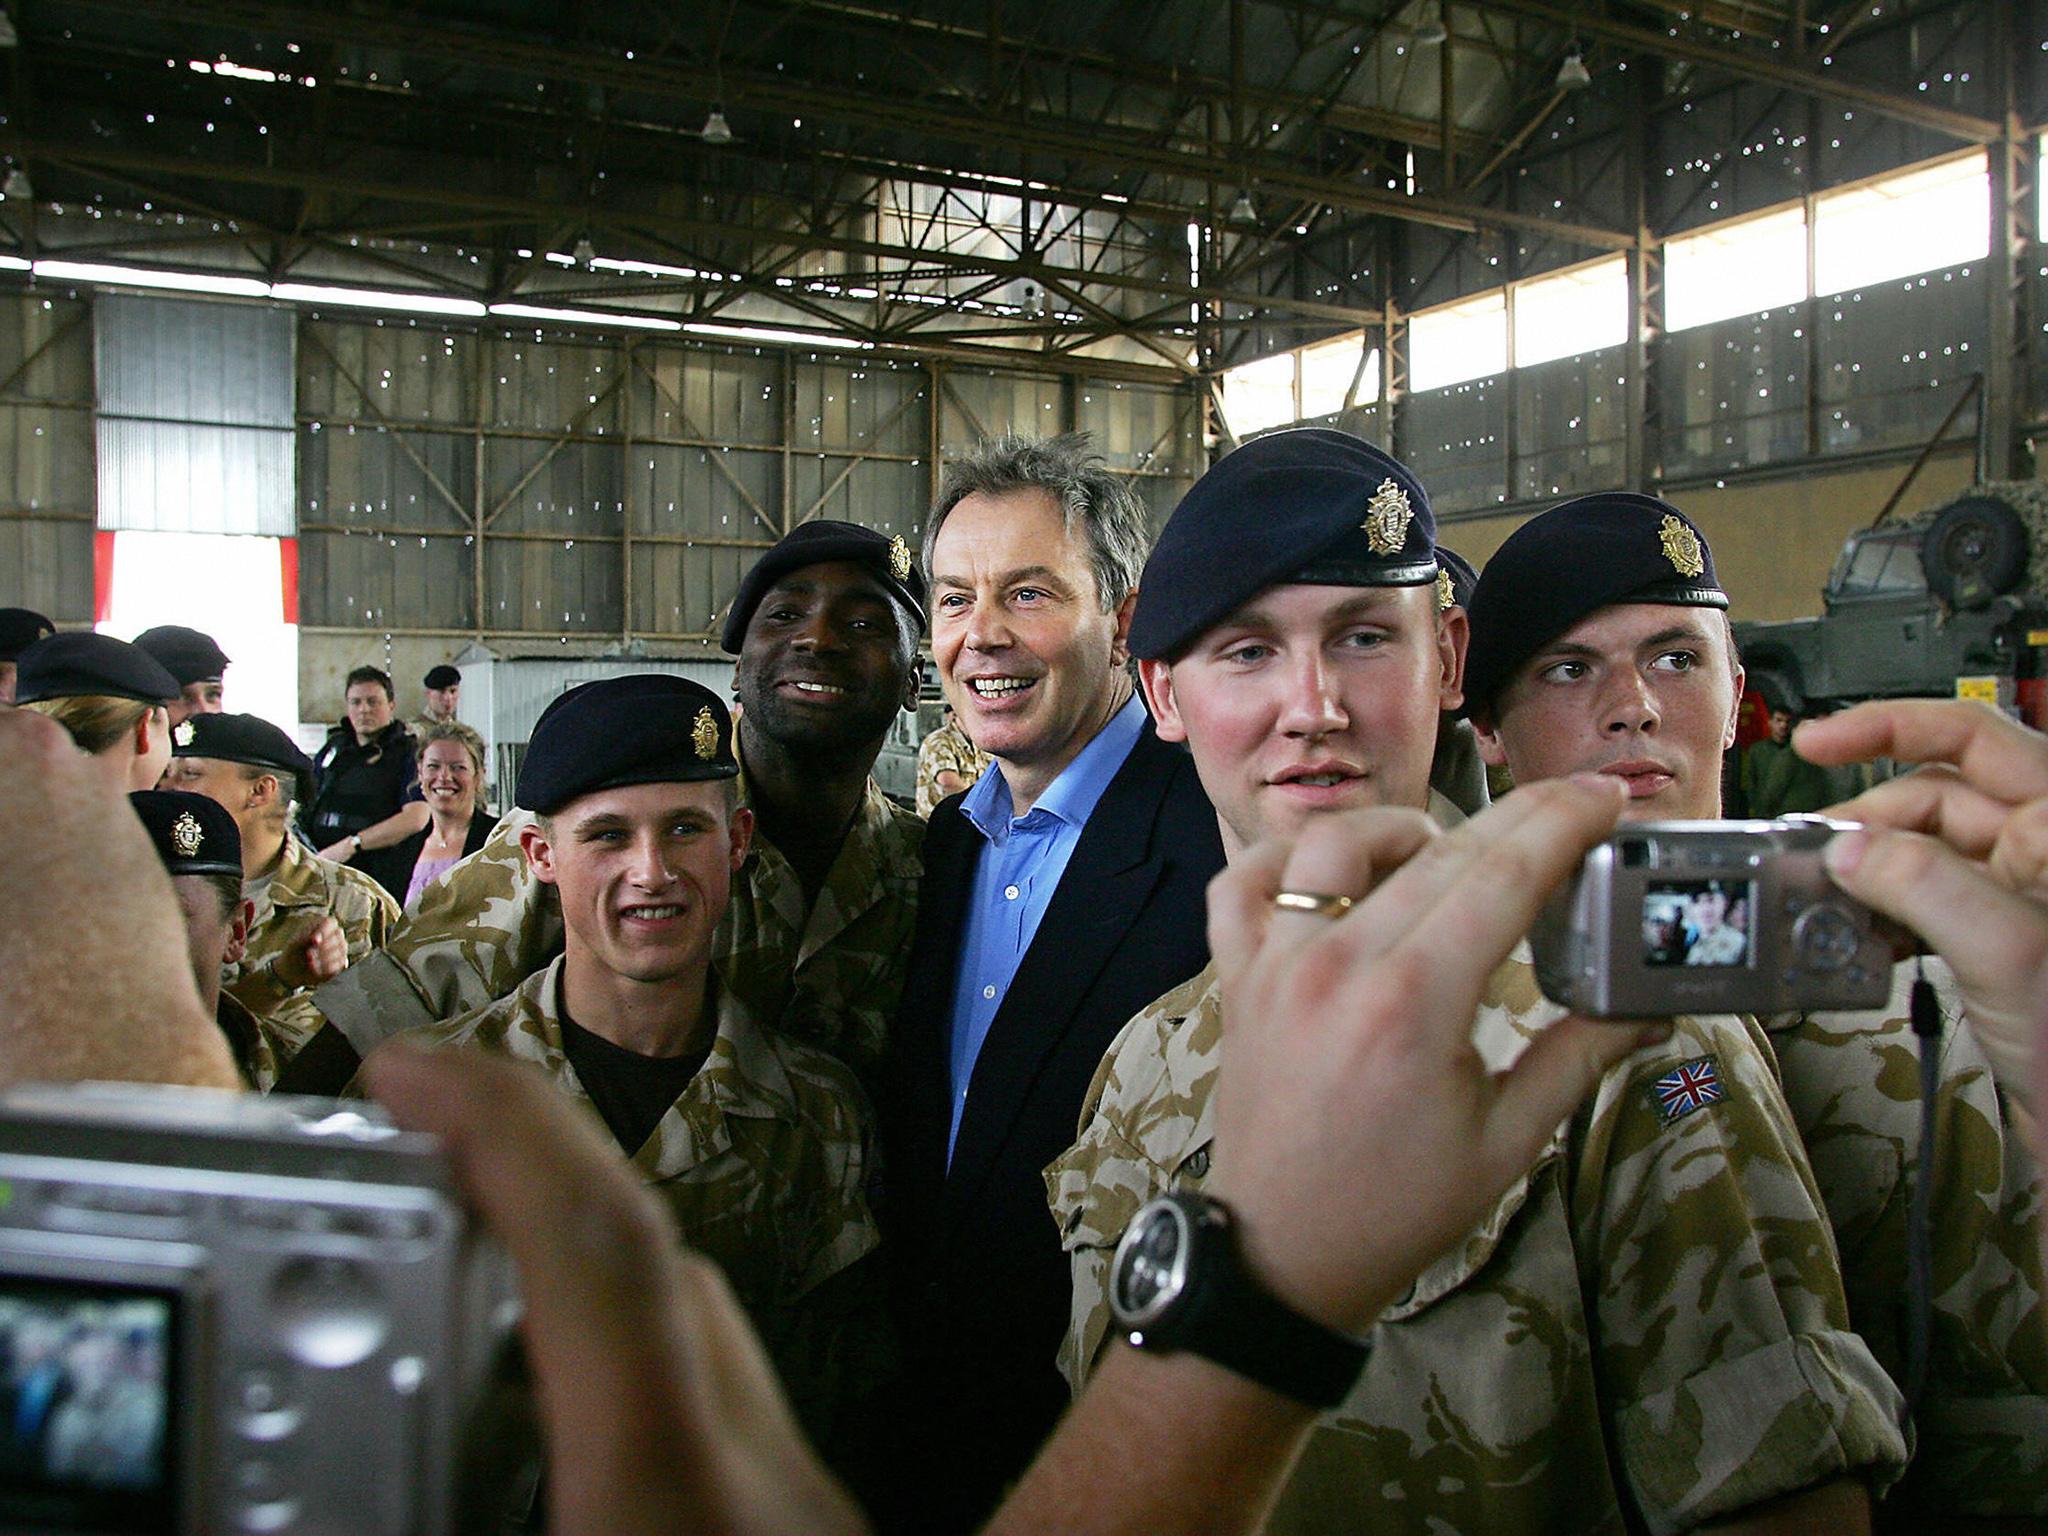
<point x="1600" y="644"/>
<point x="1663" y="1262"/>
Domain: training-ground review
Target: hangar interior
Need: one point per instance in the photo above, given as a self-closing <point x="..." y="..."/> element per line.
<point x="524" y="328"/>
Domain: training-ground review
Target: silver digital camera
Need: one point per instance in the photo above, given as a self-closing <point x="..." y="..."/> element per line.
<point x="225" y="1313"/>
<point x="1670" y="917"/>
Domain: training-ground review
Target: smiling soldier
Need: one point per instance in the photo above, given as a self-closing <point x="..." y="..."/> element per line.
<point x="825" y="627"/>
<point x="760" y="1145"/>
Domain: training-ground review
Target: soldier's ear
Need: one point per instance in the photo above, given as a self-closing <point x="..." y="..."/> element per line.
<point x="536" y="841"/>
<point x="238" y="932"/>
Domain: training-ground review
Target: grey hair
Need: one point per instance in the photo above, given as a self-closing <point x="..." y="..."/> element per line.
<point x="1068" y="470"/>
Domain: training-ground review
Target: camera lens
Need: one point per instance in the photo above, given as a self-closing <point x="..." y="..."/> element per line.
<point x="1825" y="937"/>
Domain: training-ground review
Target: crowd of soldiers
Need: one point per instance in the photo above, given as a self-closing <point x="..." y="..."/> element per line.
<point x="1215" y="934"/>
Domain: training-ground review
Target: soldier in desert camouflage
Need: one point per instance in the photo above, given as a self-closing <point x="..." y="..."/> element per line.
<point x="312" y="917"/>
<point x="825" y="626"/>
<point x="762" y="1147"/>
<point x="1629" y="675"/>
<point x="1647" y="1332"/>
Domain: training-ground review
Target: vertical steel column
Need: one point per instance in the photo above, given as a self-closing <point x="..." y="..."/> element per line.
<point x="628" y="348"/>
<point x="788" y="437"/>
<point x="2014" y="220"/>
<point x="484" y="344"/>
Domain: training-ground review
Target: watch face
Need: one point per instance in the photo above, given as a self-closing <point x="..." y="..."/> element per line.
<point x="1151" y="1264"/>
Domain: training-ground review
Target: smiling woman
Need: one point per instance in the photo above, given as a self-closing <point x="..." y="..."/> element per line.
<point x="451" y="773"/>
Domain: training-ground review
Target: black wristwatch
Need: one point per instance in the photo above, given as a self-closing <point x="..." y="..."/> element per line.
<point x="1179" y="1282"/>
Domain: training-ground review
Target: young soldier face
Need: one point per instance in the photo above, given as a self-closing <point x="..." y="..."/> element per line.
<point x="1027" y="657"/>
<point x="823" y="664"/>
<point x="441" y="702"/>
<point x="200" y="698"/>
<point x="1644" y="691"/>
<point x="1311" y="699"/>
<point x="644" y="872"/>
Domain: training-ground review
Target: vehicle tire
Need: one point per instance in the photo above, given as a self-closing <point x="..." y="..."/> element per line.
<point x="1973" y="551"/>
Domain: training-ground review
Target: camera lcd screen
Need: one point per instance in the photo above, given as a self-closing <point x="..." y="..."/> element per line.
<point x="1697" y="922"/>
<point x="86" y="1429"/>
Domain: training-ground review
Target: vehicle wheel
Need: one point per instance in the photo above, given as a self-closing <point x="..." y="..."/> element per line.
<point x="1973" y="551"/>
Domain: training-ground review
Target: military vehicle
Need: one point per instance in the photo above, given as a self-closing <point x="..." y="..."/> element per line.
<point x="1914" y="604"/>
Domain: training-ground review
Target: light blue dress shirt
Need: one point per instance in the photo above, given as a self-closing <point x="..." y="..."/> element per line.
<point x="1014" y="878"/>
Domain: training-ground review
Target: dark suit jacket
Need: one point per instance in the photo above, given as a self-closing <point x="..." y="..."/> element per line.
<point x="982" y="1279"/>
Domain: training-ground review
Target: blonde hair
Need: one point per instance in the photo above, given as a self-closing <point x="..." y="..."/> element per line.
<point x="95" y="721"/>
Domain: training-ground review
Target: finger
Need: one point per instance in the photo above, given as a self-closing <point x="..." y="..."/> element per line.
<point x="1550" y="1079"/>
<point x="1241" y="904"/>
<point x="1935" y="800"/>
<point x="1990" y="935"/>
<point x="1993" y="752"/>
<point x="2020" y="856"/>
<point x="1347" y="856"/>
<point x="1479" y="890"/>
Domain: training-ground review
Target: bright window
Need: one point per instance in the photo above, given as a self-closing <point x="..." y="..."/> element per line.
<point x="1736" y="269"/>
<point x="1571" y="312"/>
<point x="1939" y="216"/>
<point x="1327" y="369"/>
<point x="1259" y="394"/>
<point x="1466" y="340"/>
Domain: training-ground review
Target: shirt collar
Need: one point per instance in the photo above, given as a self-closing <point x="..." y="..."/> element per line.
<point x="1072" y="796"/>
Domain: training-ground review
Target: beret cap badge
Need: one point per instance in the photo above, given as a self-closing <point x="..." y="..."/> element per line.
<point x="899" y="558"/>
<point x="1681" y="546"/>
<point x="184" y="733"/>
<point x="1387" y="517"/>
<point x="704" y="734"/>
<point x="1446" y="592"/>
<point x="186" y="835"/>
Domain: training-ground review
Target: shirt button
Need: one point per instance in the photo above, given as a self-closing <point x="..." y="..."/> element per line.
<point x="988" y="991"/>
<point x="1010" y="891"/>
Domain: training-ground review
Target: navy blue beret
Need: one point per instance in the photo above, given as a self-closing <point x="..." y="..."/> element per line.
<point x="886" y="558"/>
<point x="193" y="834"/>
<point x="1311" y="505"/>
<point x="443" y="676"/>
<point x="1579" y="557"/>
<point x="645" y="728"/>
<point x="1460" y="577"/>
<point x="21" y="628"/>
<point x="244" y="739"/>
<point x="187" y="654"/>
<point x="81" y="664"/>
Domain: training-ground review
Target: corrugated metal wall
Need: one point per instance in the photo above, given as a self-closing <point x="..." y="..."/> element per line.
<point x="526" y="487"/>
<point x="195" y="416"/>
<point x="46" y="456"/>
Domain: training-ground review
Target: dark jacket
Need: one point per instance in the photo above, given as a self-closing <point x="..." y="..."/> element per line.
<point x="393" y="866"/>
<point x="982" y="1286"/>
<point x="358" y="785"/>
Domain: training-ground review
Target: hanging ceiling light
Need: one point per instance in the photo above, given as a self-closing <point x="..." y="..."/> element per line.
<point x="1433" y="33"/>
<point x="716" y="129"/>
<point x="17" y="186"/>
<point x="585" y="252"/>
<point x="1242" y="211"/>
<point x="1571" y="74"/>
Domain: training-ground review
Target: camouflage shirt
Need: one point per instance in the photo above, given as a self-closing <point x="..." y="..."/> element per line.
<point x="831" y="976"/>
<point x="765" y="1158"/>
<point x="946" y="750"/>
<point x="255" y="1058"/>
<point x="1646" y="1332"/>
<point x="300" y="890"/>
<point x="1852" y="1081"/>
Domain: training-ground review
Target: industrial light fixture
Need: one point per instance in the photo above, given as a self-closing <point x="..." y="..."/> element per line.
<point x="1571" y="74"/>
<point x="1242" y="211"/>
<point x="1433" y="33"/>
<point x="17" y="186"/>
<point x="585" y="253"/>
<point x="9" y="38"/>
<point x="716" y="129"/>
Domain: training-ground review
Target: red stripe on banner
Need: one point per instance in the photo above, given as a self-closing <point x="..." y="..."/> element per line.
<point x="288" y="570"/>
<point x="102" y="576"/>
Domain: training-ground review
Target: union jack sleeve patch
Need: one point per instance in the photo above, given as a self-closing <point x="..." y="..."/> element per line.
<point x="1691" y="1086"/>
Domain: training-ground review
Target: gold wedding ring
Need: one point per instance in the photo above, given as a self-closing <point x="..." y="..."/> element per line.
<point x="1312" y="901"/>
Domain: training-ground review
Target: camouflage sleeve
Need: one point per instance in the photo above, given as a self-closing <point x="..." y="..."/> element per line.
<point x="478" y="931"/>
<point x="1721" y="1346"/>
<point x="1853" y="1084"/>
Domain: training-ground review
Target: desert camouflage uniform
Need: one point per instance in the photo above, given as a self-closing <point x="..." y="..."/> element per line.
<point x="303" y="888"/>
<point x="1646" y="1333"/>
<point x="255" y="1057"/>
<point x="1852" y="1081"/>
<point x="834" y="980"/>
<point x="946" y="750"/>
<point x="765" y="1159"/>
